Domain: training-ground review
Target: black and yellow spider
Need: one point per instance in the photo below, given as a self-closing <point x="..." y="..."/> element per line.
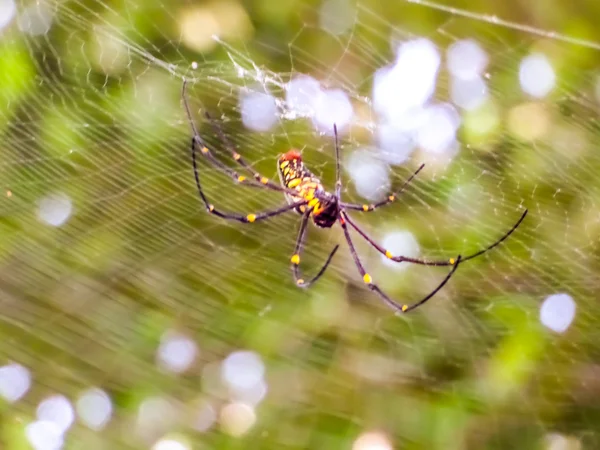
<point x="305" y="194"/>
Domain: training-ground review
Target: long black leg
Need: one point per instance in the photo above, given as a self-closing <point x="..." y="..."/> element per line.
<point x="249" y="218"/>
<point x="298" y="252"/>
<point x="374" y="287"/>
<point x="425" y="262"/>
<point x="206" y="151"/>
<point x="239" y="159"/>
<point x="227" y="170"/>
<point x="390" y="198"/>
<point x="260" y="180"/>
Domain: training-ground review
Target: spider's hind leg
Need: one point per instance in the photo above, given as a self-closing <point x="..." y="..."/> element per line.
<point x="298" y="252"/>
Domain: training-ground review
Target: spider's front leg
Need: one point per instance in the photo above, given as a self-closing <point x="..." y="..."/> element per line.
<point x="426" y="262"/>
<point x="390" y="198"/>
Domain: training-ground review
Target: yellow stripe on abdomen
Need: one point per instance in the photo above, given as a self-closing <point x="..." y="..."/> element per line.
<point x="294" y="183"/>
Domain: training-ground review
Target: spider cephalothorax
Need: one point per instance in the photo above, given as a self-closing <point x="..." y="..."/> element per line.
<point x="305" y="194"/>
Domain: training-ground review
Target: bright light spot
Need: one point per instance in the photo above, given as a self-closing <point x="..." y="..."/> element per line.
<point x="556" y="441"/>
<point x="36" y="19"/>
<point x="336" y="16"/>
<point x="372" y="441"/>
<point x="395" y="144"/>
<point x="468" y="94"/>
<point x="15" y="381"/>
<point x="466" y="59"/>
<point x="44" y="435"/>
<point x="332" y="107"/>
<point x="259" y="111"/>
<point x="155" y="413"/>
<point x="242" y="370"/>
<point x="370" y="175"/>
<point x="58" y="410"/>
<point x="94" y="408"/>
<point x="205" y="418"/>
<point x="557" y="312"/>
<point x="109" y="54"/>
<point x="170" y="444"/>
<point x="237" y="418"/>
<point x="176" y="352"/>
<point x="407" y="84"/>
<point x="7" y="12"/>
<point x="55" y="209"/>
<point x="301" y="95"/>
<point x="479" y="124"/>
<point x="199" y="25"/>
<point x="437" y="135"/>
<point x="536" y="75"/>
<point x="529" y="121"/>
<point x="400" y="243"/>
<point x="250" y="396"/>
<point x="194" y="65"/>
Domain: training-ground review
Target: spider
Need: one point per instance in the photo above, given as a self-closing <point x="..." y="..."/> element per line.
<point x="305" y="194"/>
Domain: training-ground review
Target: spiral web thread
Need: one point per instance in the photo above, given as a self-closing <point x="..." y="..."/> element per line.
<point x="96" y="143"/>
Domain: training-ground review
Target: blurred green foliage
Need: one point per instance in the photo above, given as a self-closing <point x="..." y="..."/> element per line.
<point x="92" y="109"/>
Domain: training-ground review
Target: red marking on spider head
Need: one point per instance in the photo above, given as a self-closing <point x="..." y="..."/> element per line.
<point x="292" y="154"/>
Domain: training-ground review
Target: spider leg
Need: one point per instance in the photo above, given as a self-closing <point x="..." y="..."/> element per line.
<point x="259" y="180"/>
<point x="206" y="151"/>
<point x="425" y="262"/>
<point x="374" y="287"/>
<point x="298" y="251"/>
<point x="264" y="181"/>
<point x="249" y="218"/>
<point x="390" y="198"/>
<point x="225" y="169"/>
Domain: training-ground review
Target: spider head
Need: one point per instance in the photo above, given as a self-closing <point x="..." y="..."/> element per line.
<point x="292" y="155"/>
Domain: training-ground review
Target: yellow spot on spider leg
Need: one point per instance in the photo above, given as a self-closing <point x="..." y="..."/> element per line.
<point x="299" y="281"/>
<point x="251" y="217"/>
<point x="264" y="180"/>
<point x="295" y="259"/>
<point x="388" y="254"/>
<point x="241" y="178"/>
<point x="367" y="278"/>
<point x="237" y="156"/>
<point x="452" y="261"/>
<point x="391" y="198"/>
<point x="204" y="150"/>
<point x="211" y="208"/>
<point x="404" y="308"/>
<point x="365" y="207"/>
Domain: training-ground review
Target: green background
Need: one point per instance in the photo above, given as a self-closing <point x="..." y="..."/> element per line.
<point x="92" y="109"/>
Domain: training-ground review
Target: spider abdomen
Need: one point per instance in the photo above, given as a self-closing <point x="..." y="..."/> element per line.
<point x="295" y="176"/>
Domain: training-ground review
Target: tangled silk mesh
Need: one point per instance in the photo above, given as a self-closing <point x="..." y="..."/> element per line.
<point x="105" y="246"/>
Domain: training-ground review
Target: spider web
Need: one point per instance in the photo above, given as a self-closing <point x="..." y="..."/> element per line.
<point x="107" y="252"/>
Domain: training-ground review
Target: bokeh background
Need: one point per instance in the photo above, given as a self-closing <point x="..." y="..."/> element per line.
<point x="130" y="318"/>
